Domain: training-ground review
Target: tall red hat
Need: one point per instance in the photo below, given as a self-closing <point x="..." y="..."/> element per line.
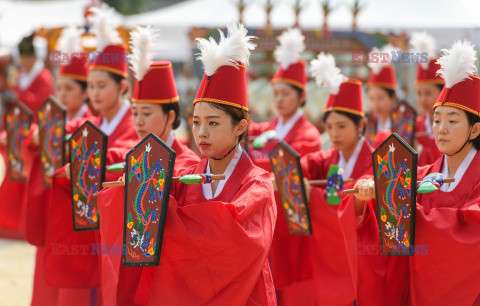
<point x="462" y="87"/>
<point x="345" y="94"/>
<point x="74" y="59"/>
<point x="429" y="75"/>
<point x="76" y="68"/>
<point x="155" y="81"/>
<point x="112" y="53"/>
<point x="424" y="45"/>
<point x="157" y="86"/>
<point x="385" y="78"/>
<point x="225" y="78"/>
<point x="291" y="69"/>
<point x="382" y="73"/>
<point x="112" y="59"/>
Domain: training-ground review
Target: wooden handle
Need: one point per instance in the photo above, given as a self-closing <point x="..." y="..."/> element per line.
<point x="353" y="191"/>
<point x="350" y="191"/>
<point x="324" y="182"/>
<point x="113" y="184"/>
<point x="174" y="179"/>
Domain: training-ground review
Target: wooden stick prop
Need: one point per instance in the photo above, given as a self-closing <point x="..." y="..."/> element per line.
<point x="285" y="163"/>
<point x="188" y="179"/>
<point x="51" y="129"/>
<point x="403" y="122"/>
<point x="427" y="185"/>
<point x="324" y="182"/>
<point x="18" y="120"/>
<point x="148" y="175"/>
<point x="88" y="147"/>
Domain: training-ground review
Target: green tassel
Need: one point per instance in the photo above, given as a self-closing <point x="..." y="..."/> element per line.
<point x="118" y="167"/>
<point x="191" y="179"/>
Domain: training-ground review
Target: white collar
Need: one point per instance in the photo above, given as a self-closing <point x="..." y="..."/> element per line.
<point x="428" y="126"/>
<point x="387" y="125"/>
<point x="80" y="112"/>
<point x="348" y="166"/>
<point x="170" y="139"/>
<point x="460" y="171"/>
<point x="109" y="127"/>
<point x="207" y="188"/>
<point x="282" y="129"/>
<point x="26" y="78"/>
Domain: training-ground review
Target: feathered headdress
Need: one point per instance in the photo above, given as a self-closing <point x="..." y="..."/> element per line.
<point x="70" y="40"/>
<point x="105" y="21"/>
<point x="457" y="63"/>
<point x="382" y="61"/>
<point x="422" y="42"/>
<point x="142" y="41"/>
<point x="291" y="46"/>
<point x="326" y="73"/>
<point x="230" y="50"/>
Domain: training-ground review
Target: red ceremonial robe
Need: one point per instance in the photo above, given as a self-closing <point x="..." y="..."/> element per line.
<point x="429" y="153"/>
<point x="330" y="281"/>
<point x="444" y="269"/>
<point x="225" y="261"/>
<point x="73" y="258"/>
<point x="111" y="210"/>
<point x="220" y="262"/>
<point x="286" y="250"/>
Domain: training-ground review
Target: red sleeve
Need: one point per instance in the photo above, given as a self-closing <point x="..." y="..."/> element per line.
<point x="256" y="129"/>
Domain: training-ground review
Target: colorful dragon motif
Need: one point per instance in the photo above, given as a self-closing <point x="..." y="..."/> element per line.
<point x="151" y="181"/>
<point x="19" y="128"/>
<point x="290" y="191"/>
<point x="398" y="187"/>
<point x="50" y="153"/>
<point x="85" y="190"/>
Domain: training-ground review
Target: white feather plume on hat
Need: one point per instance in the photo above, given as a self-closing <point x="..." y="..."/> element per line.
<point x="382" y="61"/>
<point x="105" y="21"/>
<point x="422" y="42"/>
<point x="142" y="41"/>
<point x="230" y="50"/>
<point x="70" y="40"/>
<point x="291" y="45"/>
<point x="457" y="63"/>
<point x="326" y="73"/>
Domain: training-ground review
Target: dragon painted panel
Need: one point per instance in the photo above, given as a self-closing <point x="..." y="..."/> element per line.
<point x="285" y="163"/>
<point x="88" y="146"/>
<point x="148" y="176"/>
<point x="51" y="130"/>
<point x="18" y="119"/>
<point x="403" y="122"/>
<point x="395" y="170"/>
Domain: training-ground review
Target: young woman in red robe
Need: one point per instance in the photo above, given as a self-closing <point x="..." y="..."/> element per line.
<point x="331" y="282"/>
<point x="444" y="268"/>
<point x="428" y="85"/>
<point x="155" y="110"/>
<point x="382" y="98"/>
<point x="292" y="126"/>
<point x="34" y="86"/>
<point x="217" y="236"/>
<point x="71" y="260"/>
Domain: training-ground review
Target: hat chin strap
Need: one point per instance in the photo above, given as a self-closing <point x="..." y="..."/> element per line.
<point x="230" y="151"/>
<point x="467" y="141"/>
